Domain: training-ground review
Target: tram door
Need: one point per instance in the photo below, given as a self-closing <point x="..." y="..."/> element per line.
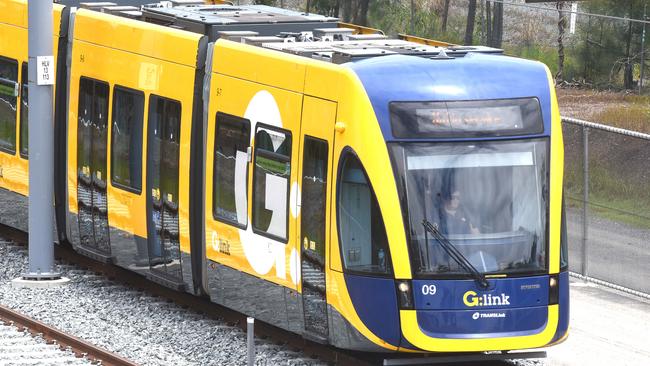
<point x="317" y="132"/>
<point x="92" y="132"/>
<point x="163" y="148"/>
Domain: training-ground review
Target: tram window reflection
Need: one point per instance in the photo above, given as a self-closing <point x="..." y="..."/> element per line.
<point x="488" y="199"/>
<point x="271" y="182"/>
<point x="126" y="138"/>
<point x="24" y="113"/>
<point x="8" y="104"/>
<point x="230" y="191"/>
<point x="364" y="245"/>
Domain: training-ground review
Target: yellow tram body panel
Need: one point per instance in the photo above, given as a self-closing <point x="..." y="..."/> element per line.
<point x="14" y="167"/>
<point x="131" y="54"/>
<point x="244" y="92"/>
<point x="556" y="176"/>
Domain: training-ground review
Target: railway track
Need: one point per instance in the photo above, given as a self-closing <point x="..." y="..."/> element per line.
<point x="313" y="351"/>
<point x="51" y="335"/>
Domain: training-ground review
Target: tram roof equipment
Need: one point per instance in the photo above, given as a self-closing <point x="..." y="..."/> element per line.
<point x="304" y="34"/>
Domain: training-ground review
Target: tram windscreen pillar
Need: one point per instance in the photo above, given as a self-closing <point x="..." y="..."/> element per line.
<point x="41" y="141"/>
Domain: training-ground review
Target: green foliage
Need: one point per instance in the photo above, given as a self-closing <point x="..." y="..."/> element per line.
<point x="603" y="44"/>
<point x="325" y="7"/>
<point x="394" y="17"/>
<point x="391" y="16"/>
<point x="548" y="55"/>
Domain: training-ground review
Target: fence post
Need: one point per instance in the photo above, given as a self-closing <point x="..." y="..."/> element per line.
<point x="585" y="191"/>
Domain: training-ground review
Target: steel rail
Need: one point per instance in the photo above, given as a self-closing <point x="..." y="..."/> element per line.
<point x="203" y="306"/>
<point x="77" y="345"/>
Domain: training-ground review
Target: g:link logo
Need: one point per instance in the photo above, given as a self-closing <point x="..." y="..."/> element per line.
<point x="471" y="299"/>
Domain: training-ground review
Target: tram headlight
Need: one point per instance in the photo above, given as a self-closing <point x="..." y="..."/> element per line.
<point x="553" y="289"/>
<point x="404" y="294"/>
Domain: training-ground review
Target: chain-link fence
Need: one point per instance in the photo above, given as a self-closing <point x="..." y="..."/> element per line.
<point x="607" y="196"/>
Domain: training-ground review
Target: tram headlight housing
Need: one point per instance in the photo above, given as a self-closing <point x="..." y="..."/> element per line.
<point x="553" y="289"/>
<point x="404" y="294"/>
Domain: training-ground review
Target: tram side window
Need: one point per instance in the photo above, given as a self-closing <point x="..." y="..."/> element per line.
<point x="230" y="190"/>
<point x="362" y="234"/>
<point x="92" y="130"/>
<point x="9" y="89"/>
<point x="24" y="113"/>
<point x="126" y="138"/>
<point x="164" y="147"/>
<point x="564" y="246"/>
<point x="271" y="182"/>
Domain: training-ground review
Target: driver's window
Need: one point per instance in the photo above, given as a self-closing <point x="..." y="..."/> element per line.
<point x="364" y="246"/>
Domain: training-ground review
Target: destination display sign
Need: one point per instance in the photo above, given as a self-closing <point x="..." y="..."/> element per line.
<point x="466" y="118"/>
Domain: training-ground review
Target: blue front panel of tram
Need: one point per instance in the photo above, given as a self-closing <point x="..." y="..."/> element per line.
<point x="503" y="293"/>
<point x="459" y="309"/>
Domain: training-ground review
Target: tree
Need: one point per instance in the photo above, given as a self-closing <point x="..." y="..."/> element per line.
<point x="471" y="19"/>
<point x="561" y="25"/>
<point x="347" y="11"/>
<point x="497" y="25"/>
<point x="610" y="49"/>
<point x="445" y="16"/>
<point x="488" y="23"/>
<point x="326" y="7"/>
<point x="361" y="16"/>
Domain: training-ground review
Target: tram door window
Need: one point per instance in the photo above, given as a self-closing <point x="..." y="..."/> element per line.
<point x="126" y="139"/>
<point x="24" y="113"/>
<point x="271" y="182"/>
<point x="312" y="229"/>
<point x="92" y="136"/>
<point x="163" y="149"/>
<point x="9" y="89"/>
<point x="364" y="245"/>
<point x="230" y="193"/>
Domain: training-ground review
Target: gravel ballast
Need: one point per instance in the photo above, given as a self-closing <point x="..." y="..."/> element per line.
<point x="146" y="329"/>
<point x="140" y="327"/>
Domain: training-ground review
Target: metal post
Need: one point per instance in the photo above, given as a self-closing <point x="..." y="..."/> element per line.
<point x="585" y="191"/>
<point x="642" y="50"/>
<point x="250" y="327"/>
<point x="41" y="144"/>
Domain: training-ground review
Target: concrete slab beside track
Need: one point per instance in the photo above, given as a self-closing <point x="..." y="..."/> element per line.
<point x="607" y="327"/>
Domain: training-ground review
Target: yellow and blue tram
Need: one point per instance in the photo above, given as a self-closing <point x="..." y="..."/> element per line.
<point x="372" y="193"/>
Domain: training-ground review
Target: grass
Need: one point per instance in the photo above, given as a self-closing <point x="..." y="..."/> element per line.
<point x="633" y="115"/>
<point x="610" y="196"/>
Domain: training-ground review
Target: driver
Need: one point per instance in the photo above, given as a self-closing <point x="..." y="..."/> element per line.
<point x="453" y="218"/>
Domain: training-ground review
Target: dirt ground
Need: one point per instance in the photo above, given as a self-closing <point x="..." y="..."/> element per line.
<point x="620" y="109"/>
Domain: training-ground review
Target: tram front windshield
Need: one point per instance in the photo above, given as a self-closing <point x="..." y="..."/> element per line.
<point x="489" y="199"/>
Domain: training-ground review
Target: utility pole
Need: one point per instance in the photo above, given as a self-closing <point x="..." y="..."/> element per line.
<point x="41" y="271"/>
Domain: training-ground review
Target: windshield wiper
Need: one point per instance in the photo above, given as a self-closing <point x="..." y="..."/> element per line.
<point x="454" y="253"/>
